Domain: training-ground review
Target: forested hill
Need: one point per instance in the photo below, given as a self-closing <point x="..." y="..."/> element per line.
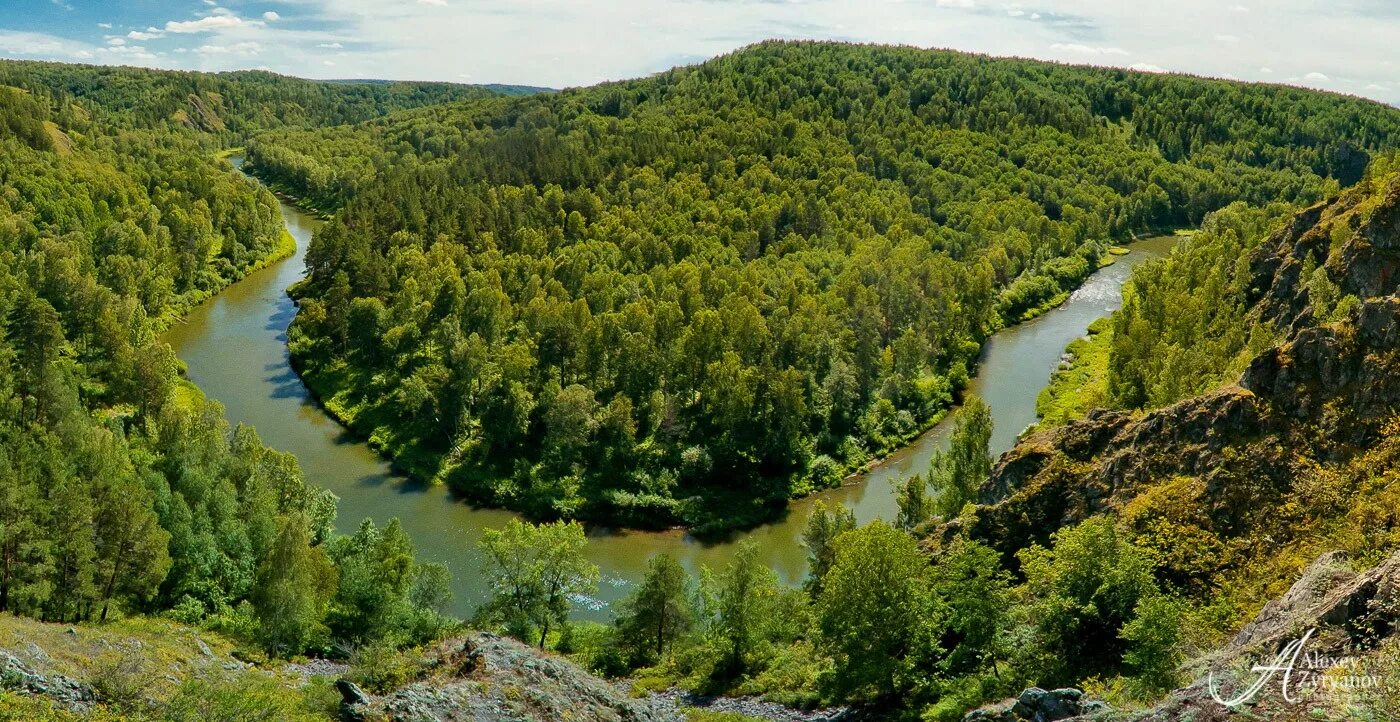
<point x="122" y="490"/>
<point x="227" y="104"/>
<point x="692" y="296"/>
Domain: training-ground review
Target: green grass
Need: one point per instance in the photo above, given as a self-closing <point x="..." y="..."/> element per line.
<point x="1082" y="384"/>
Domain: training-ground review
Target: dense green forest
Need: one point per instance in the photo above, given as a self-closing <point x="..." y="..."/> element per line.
<point x="729" y="284"/>
<point x="122" y="490"/>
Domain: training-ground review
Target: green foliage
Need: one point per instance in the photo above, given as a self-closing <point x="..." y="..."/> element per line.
<point x="877" y="617"/>
<point x="784" y="255"/>
<point x="1079" y="596"/>
<point x="120" y="491"/>
<point x="239" y="698"/>
<point x="534" y="571"/>
<point x="381" y="667"/>
<point x="742" y="601"/>
<point x="294" y="587"/>
<point x="1155" y="655"/>
<point x="824" y="527"/>
<point x="957" y="473"/>
<point x="974" y="591"/>
<point x="384" y="592"/>
<point x="1182" y="328"/>
<point x="659" y="612"/>
<point x="1081" y="383"/>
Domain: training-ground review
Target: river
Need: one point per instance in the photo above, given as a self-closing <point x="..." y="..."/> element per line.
<point x="235" y="349"/>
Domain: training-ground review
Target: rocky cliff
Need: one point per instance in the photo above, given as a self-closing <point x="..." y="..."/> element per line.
<point x="1322" y="395"/>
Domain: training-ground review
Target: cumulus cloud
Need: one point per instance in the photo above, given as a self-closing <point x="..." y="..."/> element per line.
<point x="1316" y="77"/>
<point x="209" y="23"/>
<point x="1147" y="68"/>
<point x="147" y="34"/>
<point x="271" y="16"/>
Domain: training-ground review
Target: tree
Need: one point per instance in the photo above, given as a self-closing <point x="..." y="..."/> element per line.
<point x="153" y="377"/>
<point x="1155" y="654"/>
<point x="915" y="506"/>
<point x="876" y="615"/>
<point x="1079" y="595"/>
<point x="969" y="583"/>
<point x="743" y="595"/>
<point x="36" y="332"/>
<point x="957" y="473"/>
<point x="660" y="611"/>
<point x="294" y="587"/>
<point x="824" y="526"/>
<point x="535" y="570"/>
<point x="132" y="548"/>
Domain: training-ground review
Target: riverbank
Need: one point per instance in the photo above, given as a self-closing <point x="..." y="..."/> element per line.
<point x="235" y="350"/>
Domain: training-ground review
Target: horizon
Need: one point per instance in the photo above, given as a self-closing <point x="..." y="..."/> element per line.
<point x="551" y="44"/>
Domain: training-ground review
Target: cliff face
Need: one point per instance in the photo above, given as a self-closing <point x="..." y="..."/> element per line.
<point x="1322" y="395"/>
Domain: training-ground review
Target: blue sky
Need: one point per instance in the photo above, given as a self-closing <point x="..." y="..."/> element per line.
<point x="1349" y="46"/>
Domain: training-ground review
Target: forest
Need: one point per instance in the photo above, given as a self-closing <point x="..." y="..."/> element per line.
<point x="123" y="490"/>
<point x="688" y="298"/>
<point x="682" y="299"/>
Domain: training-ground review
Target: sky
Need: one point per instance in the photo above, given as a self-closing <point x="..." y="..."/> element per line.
<point x="1349" y="46"/>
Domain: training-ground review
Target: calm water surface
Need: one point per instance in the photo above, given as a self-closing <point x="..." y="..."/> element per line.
<point x="236" y="349"/>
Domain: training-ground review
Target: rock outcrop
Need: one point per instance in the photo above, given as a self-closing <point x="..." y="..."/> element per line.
<point x="1321" y="395"/>
<point x="503" y="679"/>
<point x="1342" y="668"/>
<point x="1038" y="705"/>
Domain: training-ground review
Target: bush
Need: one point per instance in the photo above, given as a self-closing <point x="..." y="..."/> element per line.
<point x="381" y="668"/>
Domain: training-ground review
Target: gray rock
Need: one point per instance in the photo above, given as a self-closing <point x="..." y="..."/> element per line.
<point x="64" y="691"/>
<point x="1038" y="705"/>
<point x="350" y="693"/>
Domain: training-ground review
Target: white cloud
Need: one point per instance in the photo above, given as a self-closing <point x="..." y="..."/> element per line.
<point x="1266" y="70"/>
<point x="205" y="24"/>
<point x="328" y="63"/>
<point x="1082" y="49"/>
<point x="147" y="34"/>
<point x="438" y="3"/>
<point x="335" y="46"/>
<point x="271" y="16"/>
<point x="1316" y="77"/>
<point x="243" y="48"/>
<point x="116" y="41"/>
<point x="1147" y="68"/>
<point x="125" y="51"/>
<point x="105" y="26"/>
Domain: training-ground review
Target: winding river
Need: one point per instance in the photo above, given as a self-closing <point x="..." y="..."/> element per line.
<point x="235" y="349"/>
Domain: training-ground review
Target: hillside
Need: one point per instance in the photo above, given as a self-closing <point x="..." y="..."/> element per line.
<point x="229" y="105"/>
<point x="123" y="491"/>
<point x="689" y="298"/>
<point x="1278" y="485"/>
